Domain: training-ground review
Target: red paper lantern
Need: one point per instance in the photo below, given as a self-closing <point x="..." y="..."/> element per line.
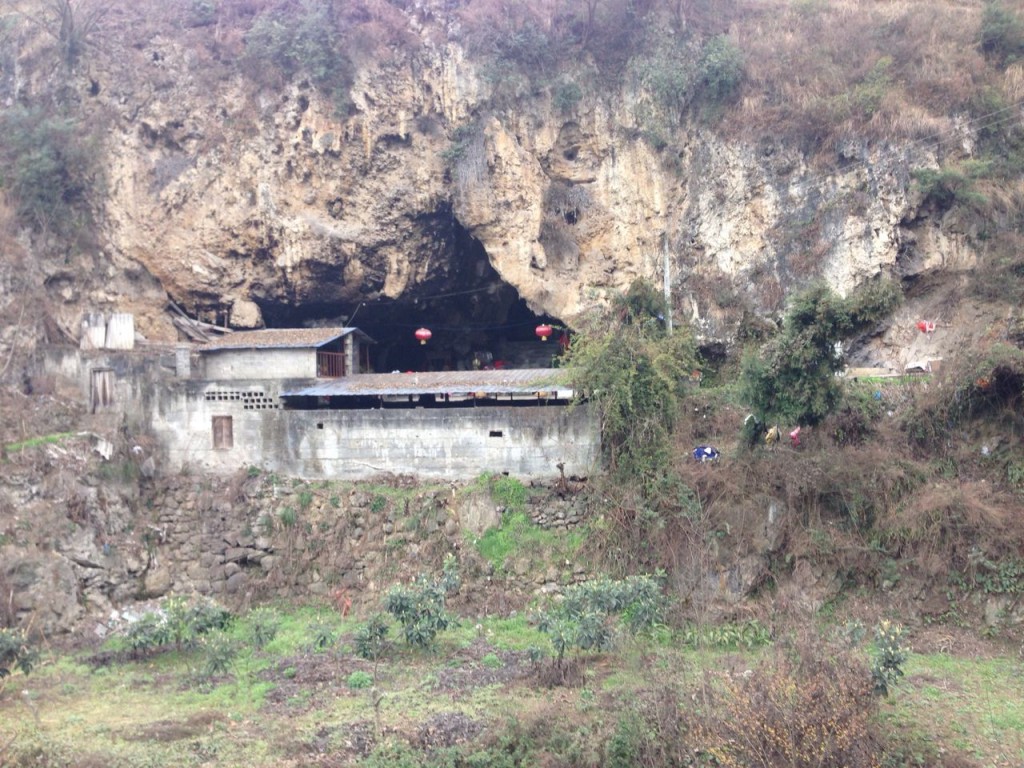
<point x="423" y="334"/>
<point x="544" y="330"/>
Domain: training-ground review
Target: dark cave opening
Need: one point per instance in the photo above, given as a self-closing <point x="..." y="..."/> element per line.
<point x="475" y="318"/>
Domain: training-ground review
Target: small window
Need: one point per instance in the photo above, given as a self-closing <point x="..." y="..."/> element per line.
<point x="319" y="425"/>
<point x="495" y="433"/>
<point x="223" y="433"/>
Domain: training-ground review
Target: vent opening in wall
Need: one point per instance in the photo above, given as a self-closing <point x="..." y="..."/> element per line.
<point x="495" y="433"/>
<point x="319" y="425"/>
<point x="223" y="432"/>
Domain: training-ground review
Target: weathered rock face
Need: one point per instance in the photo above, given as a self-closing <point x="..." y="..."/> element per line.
<point x="254" y="204"/>
<point x="245" y="201"/>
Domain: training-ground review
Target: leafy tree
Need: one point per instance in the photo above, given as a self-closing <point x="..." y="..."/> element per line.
<point x="16" y="653"/>
<point x="371" y="640"/>
<point x="46" y="165"/>
<point x="888" y="658"/>
<point x="1002" y="33"/>
<point x="720" y="69"/>
<point x="634" y="373"/>
<point x="299" y="40"/>
<point x="793" y="377"/>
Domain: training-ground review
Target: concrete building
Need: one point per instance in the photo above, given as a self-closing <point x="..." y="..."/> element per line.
<point x="271" y="399"/>
<point x="286" y="353"/>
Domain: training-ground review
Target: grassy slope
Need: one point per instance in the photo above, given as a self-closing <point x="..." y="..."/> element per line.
<point x="289" y="705"/>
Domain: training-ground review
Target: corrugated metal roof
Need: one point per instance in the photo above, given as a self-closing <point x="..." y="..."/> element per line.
<point x="500" y="382"/>
<point x="279" y="338"/>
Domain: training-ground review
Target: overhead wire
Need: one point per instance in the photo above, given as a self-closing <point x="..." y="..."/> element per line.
<point x="1005" y="114"/>
<point x="1010" y="113"/>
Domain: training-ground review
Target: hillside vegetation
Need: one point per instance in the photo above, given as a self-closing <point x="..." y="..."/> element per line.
<point x="848" y="597"/>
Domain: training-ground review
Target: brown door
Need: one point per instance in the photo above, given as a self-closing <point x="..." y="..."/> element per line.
<point x="101" y="389"/>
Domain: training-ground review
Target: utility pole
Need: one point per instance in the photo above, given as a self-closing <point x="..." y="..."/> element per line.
<point x="667" y="283"/>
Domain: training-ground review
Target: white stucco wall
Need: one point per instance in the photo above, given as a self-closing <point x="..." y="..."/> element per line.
<point x="260" y="364"/>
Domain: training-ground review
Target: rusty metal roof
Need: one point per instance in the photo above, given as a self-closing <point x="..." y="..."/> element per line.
<point x="279" y="338"/>
<point x="499" y="382"/>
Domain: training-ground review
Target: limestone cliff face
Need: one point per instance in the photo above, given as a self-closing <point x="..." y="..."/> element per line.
<point x="243" y="200"/>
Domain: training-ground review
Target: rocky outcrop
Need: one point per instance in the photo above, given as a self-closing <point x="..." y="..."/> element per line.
<point x="239" y="198"/>
<point x="253" y="203"/>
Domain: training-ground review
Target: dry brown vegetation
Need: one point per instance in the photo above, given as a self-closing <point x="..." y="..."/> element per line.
<point x="807" y="704"/>
<point x="922" y="487"/>
<point x="880" y="70"/>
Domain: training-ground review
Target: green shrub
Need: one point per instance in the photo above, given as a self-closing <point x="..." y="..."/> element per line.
<point x="16" y="653"/>
<point x="206" y="616"/>
<point x="517" y="535"/>
<point x="201" y="13"/>
<point x="371" y="640"/>
<point x="567" y="96"/>
<point x="358" y="680"/>
<point x="292" y="42"/>
<point x="748" y="635"/>
<point x="868" y="94"/>
<point x="633" y="373"/>
<point x="1005" y="577"/>
<point x="180" y="621"/>
<point x="889" y="657"/>
<point x="491" y="661"/>
<point x="420" y="607"/>
<point x="720" y="70"/>
<point x="464" y="139"/>
<point x="323" y="634"/>
<point x="176" y="618"/>
<point x="669" y="74"/>
<point x="527" y="48"/>
<point x="1002" y="33"/>
<point x="626" y="744"/>
<point x="508" y="492"/>
<point x="952" y="185"/>
<point x="147" y="634"/>
<point x="288" y="517"/>
<point x="393" y="754"/>
<point x="264" y="624"/>
<point x="583" y="620"/>
<point x="300" y="40"/>
<point x="219" y="654"/>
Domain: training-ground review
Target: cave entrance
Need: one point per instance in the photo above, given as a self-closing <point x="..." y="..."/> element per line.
<point x="475" y="318"/>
